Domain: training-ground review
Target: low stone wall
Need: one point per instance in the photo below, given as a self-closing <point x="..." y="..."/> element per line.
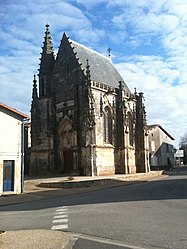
<point x="77" y="184"/>
<point x="82" y="183"/>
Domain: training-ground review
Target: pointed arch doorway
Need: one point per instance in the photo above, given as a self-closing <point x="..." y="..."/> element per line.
<point x="67" y="146"/>
<point x="68" y="160"/>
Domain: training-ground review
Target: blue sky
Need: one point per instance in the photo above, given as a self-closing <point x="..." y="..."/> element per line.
<point x="148" y="39"/>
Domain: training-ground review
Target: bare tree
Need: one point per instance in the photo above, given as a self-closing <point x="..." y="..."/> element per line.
<point x="183" y="146"/>
<point x="183" y="140"/>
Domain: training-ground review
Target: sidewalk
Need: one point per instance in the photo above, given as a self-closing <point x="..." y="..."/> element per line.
<point x="34" y="239"/>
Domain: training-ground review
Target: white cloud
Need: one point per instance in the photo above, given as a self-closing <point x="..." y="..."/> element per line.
<point x="163" y="78"/>
<point x="22" y="31"/>
<point x="165" y="104"/>
<point x="150" y="36"/>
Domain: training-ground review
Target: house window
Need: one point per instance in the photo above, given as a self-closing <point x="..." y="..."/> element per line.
<point x="107" y="126"/>
<point x="130" y="129"/>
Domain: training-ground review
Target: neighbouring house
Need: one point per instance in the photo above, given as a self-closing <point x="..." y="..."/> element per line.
<point x="179" y="157"/>
<point x="84" y="118"/>
<point x="160" y="147"/>
<point x="183" y="146"/>
<point x="11" y="149"/>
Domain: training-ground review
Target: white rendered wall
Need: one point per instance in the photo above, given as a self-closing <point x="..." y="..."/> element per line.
<point x="10" y="147"/>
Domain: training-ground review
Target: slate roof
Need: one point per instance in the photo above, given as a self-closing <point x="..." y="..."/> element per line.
<point x="101" y="68"/>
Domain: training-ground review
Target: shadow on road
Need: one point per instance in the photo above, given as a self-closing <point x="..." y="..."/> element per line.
<point x="171" y="188"/>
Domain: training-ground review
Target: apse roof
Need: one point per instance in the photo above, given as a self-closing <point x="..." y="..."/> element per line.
<point x="102" y="69"/>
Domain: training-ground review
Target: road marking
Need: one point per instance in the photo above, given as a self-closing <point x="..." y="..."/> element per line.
<point x="63" y="207"/>
<point x="60" y="221"/>
<point x="61" y="210"/>
<point x="57" y="213"/>
<point x="61" y="217"/>
<point x="60" y="227"/>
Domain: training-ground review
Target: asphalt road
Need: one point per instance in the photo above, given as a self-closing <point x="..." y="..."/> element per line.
<point x="145" y="215"/>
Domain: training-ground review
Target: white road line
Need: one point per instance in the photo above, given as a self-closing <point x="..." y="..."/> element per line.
<point x="58" y="213"/>
<point x="60" y="216"/>
<point x="60" y="221"/>
<point x="61" y="210"/>
<point x="59" y="227"/>
<point x="105" y="241"/>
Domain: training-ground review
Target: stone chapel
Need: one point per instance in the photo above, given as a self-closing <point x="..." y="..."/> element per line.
<point x="84" y="118"/>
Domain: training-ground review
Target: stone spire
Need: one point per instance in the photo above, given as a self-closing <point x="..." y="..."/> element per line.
<point x="48" y="46"/>
<point x="46" y="65"/>
<point x="47" y="55"/>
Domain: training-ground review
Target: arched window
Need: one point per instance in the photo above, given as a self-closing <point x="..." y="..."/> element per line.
<point x="107" y="126"/>
<point x="130" y="129"/>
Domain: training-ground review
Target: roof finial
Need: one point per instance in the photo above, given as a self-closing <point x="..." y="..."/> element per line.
<point x="34" y="80"/>
<point x="109" y="50"/>
<point x="135" y="92"/>
<point x="34" y="91"/>
<point x="47" y="27"/>
<point x="87" y="69"/>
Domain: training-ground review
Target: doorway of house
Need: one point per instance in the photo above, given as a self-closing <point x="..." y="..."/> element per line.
<point x="68" y="160"/>
<point x="8" y="175"/>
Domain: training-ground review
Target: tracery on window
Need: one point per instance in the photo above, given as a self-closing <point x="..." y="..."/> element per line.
<point x="130" y="128"/>
<point x="107" y="126"/>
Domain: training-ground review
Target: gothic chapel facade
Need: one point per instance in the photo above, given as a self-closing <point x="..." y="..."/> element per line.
<point x="85" y="120"/>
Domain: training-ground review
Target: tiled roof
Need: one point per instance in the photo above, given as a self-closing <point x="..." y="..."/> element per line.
<point x="14" y="111"/>
<point x="101" y="68"/>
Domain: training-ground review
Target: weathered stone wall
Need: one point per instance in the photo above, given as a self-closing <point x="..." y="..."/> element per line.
<point x="42" y="137"/>
<point x="86" y="161"/>
<point x="42" y="163"/>
<point x="130" y="160"/>
<point x="105" y="160"/>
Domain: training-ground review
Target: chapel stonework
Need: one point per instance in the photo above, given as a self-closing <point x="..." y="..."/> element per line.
<point x="85" y="120"/>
